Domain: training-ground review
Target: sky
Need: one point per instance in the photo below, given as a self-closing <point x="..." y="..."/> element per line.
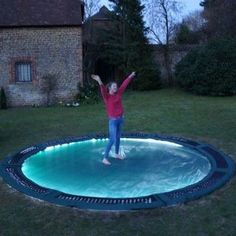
<point x="188" y="5"/>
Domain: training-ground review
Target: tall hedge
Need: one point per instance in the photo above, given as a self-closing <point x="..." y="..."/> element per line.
<point x="209" y="69"/>
<point x="125" y="44"/>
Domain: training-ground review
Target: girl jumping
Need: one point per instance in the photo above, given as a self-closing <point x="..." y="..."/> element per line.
<point x="112" y="96"/>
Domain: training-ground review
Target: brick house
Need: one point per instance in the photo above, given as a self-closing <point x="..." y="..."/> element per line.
<point x="40" y="38"/>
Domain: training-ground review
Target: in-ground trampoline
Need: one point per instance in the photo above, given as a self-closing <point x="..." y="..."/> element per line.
<point x="157" y="171"/>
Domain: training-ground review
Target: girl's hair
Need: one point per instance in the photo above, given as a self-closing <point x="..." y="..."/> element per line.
<point x="110" y="84"/>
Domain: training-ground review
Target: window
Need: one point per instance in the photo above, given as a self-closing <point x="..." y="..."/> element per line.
<point x="23" y="72"/>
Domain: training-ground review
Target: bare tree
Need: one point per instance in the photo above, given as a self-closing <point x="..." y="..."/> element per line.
<point x="191" y="29"/>
<point x="195" y="20"/>
<point x="91" y="7"/>
<point x="162" y="16"/>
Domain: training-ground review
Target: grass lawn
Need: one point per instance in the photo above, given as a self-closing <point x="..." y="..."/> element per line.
<point x="168" y="111"/>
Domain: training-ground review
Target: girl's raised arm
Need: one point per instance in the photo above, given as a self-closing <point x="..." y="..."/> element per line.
<point x="126" y="82"/>
<point x="102" y="87"/>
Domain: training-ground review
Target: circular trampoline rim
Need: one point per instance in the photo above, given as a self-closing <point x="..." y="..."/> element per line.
<point x="222" y="169"/>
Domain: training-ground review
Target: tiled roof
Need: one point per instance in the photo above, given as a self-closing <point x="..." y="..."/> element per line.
<point x="40" y="13"/>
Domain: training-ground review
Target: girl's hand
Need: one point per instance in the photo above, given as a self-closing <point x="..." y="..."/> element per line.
<point x="133" y="74"/>
<point x="97" y="78"/>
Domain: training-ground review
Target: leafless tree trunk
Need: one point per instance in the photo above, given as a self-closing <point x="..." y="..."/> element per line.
<point x="162" y="16"/>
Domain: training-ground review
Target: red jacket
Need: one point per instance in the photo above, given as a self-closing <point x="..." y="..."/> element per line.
<point x="113" y="103"/>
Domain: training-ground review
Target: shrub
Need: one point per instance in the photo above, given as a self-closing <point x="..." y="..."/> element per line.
<point x="186" y="36"/>
<point x="3" y="99"/>
<point x="209" y="69"/>
<point x="87" y="94"/>
<point x="148" y="76"/>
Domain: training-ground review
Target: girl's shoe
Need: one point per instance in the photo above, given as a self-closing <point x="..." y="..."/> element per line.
<point x="118" y="156"/>
<point x="106" y="162"/>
